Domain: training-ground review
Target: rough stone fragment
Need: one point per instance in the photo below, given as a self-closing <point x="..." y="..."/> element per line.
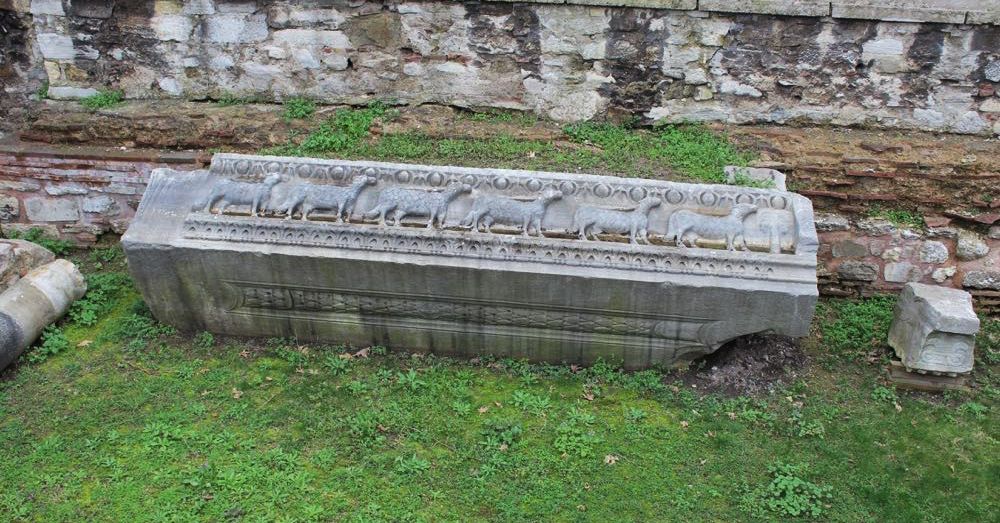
<point x="100" y="9"/>
<point x="849" y="249"/>
<point x="39" y="298"/>
<point x="56" y="46"/>
<point x="104" y="205"/>
<point x="934" y="329"/>
<point x="235" y="28"/>
<point x="739" y="89"/>
<point x="311" y="37"/>
<point x="18" y="257"/>
<point x="858" y="270"/>
<point x="172" y="27"/>
<point x="769" y="7"/>
<point x="971" y="246"/>
<point x="198" y="7"/>
<point x="10" y="207"/>
<point x="69" y="92"/>
<point x="826" y="222"/>
<point x="942" y="232"/>
<point x="943" y="273"/>
<point x="466" y="290"/>
<point x="767" y="176"/>
<point x="901" y="272"/>
<point x="47" y="7"/>
<point x="52" y="209"/>
<point x="938" y="11"/>
<point x="933" y="252"/>
<point x="994" y="233"/>
<point x="876" y="226"/>
<point x="66" y="189"/>
<point x="982" y="279"/>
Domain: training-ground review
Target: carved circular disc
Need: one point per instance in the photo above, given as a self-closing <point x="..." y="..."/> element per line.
<point x="272" y="167"/>
<point x="638" y="193"/>
<point x="435" y="179"/>
<point x="533" y="185"/>
<point x="470" y="179"/>
<point x="602" y="190"/>
<point x="674" y="196"/>
<point x="779" y="202"/>
<point x="501" y="183"/>
<point x="371" y="171"/>
<point x="337" y="173"/>
<point x="568" y="188"/>
<point x="403" y="176"/>
<point x="708" y="199"/>
<point x="744" y="198"/>
<point x="242" y="167"/>
<point x="304" y="171"/>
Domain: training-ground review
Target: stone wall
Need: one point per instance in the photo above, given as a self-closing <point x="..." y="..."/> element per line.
<point x="691" y="60"/>
<point x="80" y="194"/>
<point x="21" y="73"/>
<point x="76" y="195"/>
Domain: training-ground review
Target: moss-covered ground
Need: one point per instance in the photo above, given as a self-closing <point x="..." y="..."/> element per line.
<point x="128" y="421"/>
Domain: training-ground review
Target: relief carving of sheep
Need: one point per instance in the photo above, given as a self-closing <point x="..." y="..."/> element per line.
<point x="307" y="197"/>
<point x="729" y="227"/>
<point x="489" y="209"/>
<point x="594" y="220"/>
<point x="231" y="192"/>
<point x="433" y="204"/>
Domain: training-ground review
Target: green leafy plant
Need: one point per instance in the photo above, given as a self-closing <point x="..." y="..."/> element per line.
<point x="37" y="235"/>
<point x="344" y="131"/>
<point x="299" y="108"/>
<point x="788" y="494"/>
<point x="103" y="292"/>
<point x="337" y="365"/>
<point x="530" y="402"/>
<point x="53" y="342"/>
<point x="411" y="465"/>
<point x="103" y="100"/>
<point x="229" y="99"/>
<point x="204" y="340"/>
<point x="854" y="328"/>
<point x="43" y="91"/>
<point x="575" y="436"/>
<point x="410" y="379"/>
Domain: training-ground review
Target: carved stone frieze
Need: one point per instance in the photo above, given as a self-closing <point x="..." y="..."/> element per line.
<point x="545" y="266"/>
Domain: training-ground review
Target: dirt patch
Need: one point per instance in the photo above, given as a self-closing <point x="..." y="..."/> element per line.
<point x="750" y="365"/>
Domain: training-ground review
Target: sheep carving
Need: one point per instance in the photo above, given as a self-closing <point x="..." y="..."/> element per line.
<point x="487" y="209"/>
<point x="713" y="227"/>
<point x="228" y="192"/>
<point x="309" y="197"/>
<point x="433" y="204"/>
<point x="594" y="220"/>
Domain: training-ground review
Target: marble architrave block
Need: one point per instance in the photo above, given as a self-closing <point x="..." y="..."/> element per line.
<point x="437" y="259"/>
<point x="934" y="329"/>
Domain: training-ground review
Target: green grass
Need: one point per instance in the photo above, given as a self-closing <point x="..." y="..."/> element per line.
<point x="299" y="108"/>
<point x="128" y="421"/>
<point x="899" y="217"/>
<point x="681" y="152"/>
<point x="103" y="100"/>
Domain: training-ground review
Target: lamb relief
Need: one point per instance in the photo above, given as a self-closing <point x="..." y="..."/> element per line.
<point x="404" y="202"/>
<point x="729" y="228"/>
<point x="228" y="192"/>
<point x="595" y="220"/>
<point x="488" y="209"/>
<point x="307" y="197"/>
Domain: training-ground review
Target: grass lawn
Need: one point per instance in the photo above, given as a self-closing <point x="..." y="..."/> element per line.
<point x="117" y="418"/>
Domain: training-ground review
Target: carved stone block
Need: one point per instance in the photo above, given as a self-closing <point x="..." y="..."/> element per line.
<point x="474" y="261"/>
<point x="934" y="329"/>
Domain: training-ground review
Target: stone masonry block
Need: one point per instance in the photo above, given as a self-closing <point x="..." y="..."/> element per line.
<point x="934" y="329"/>
<point x="232" y="28"/>
<point x="937" y="11"/>
<point x="768" y="7"/>
<point x="52" y="209"/>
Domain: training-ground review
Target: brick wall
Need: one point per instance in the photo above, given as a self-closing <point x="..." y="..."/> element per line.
<point x="76" y="194"/>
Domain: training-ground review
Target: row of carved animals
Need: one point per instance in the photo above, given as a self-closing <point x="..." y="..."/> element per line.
<point x="487" y="210"/>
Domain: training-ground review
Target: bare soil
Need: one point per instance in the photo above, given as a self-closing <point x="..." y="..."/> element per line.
<point x="750" y="365"/>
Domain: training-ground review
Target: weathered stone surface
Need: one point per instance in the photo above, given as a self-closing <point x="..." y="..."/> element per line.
<point x="941" y="274"/>
<point x="939" y="11"/>
<point x="104" y="205"/>
<point x="453" y="290"/>
<point x="934" y="329"/>
<point x="47" y="7"/>
<point x="826" y="222"/>
<point x="933" y="252"/>
<point x="849" y="249"/>
<point x="56" y="46"/>
<point x="776" y="179"/>
<point x="39" y="298"/>
<point x="982" y="279"/>
<point x="10" y="207"/>
<point x="52" y="210"/>
<point x="901" y="272"/>
<point x="771" y="7"/>
<point x="18" y="257"/>
<point x="876" y="226"/>
<point x="994" y="233"/>
<point x="66" y="189"/>
<point x="858" y="270"/>
<point x="971" y="246"/>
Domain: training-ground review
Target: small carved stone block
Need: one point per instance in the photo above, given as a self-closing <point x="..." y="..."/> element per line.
<point x="934" y="329"/>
